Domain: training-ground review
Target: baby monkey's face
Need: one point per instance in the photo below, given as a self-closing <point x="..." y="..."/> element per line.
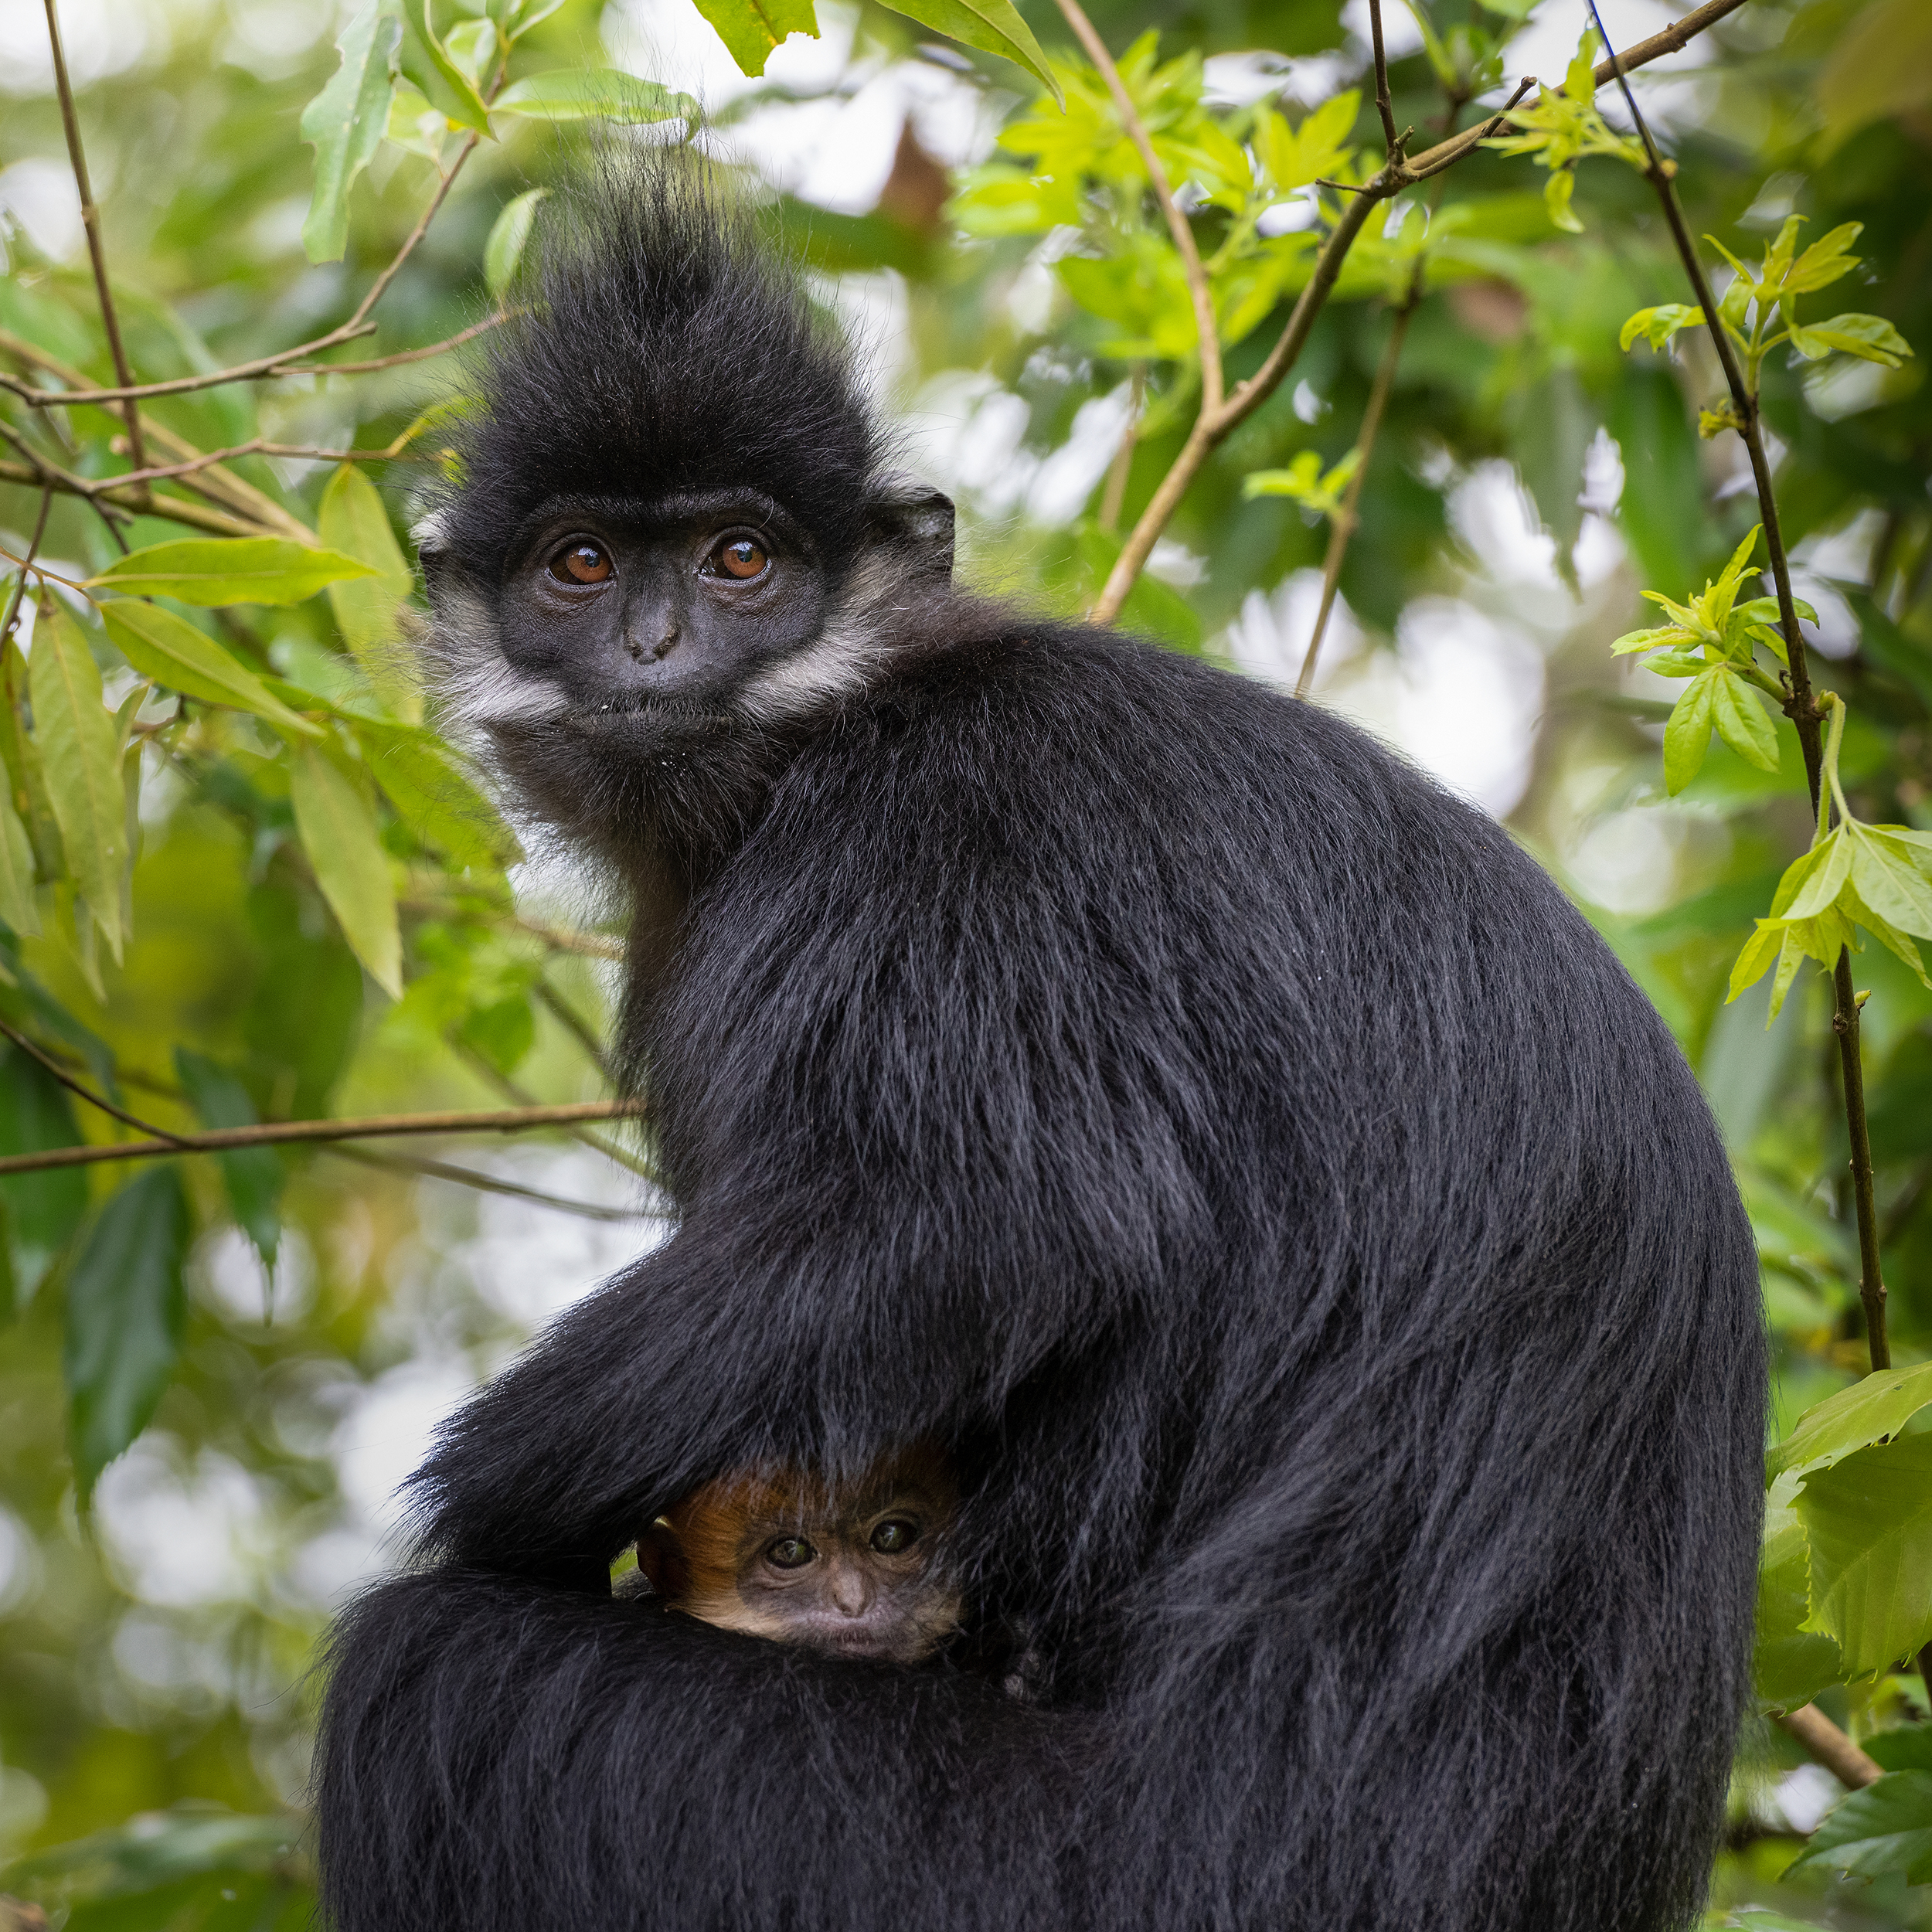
<point x="859" y="1571"/>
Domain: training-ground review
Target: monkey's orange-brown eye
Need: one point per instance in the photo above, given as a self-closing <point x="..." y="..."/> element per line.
<point x="789" y="1553"/>
<point x="582" y="563"/>
<point x="889" y="1539"/>
<point x="742" y="557"/>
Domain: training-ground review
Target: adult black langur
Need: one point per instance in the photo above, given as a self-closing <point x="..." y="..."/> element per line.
<point x="1310" y="1245"/>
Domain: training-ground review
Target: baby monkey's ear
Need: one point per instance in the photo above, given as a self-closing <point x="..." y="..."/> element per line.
<point x="662" y="1559"/>
<point x="915" y="521"/>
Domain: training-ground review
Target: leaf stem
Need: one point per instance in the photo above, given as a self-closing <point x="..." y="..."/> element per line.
<point x="1801" y="706"/>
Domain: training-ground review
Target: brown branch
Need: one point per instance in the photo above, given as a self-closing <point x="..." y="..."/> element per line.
<point x="26" y="564"/>
<point x="1674" y="39"/>
<point x="81" y="1088"/>
<point x="1391" y="141"/>
<point x="483" y="1183"/>
<point x="507" y="1120"/>
<point x="91" y="222"/>
<point x="1827" y="1745"/>
<point x="402" y="355"/>
<point x="1343" y="528"/>
<point x="1801" y="705"/>
<point x="1114" y="494"/>
<point x="1199" y="290"/>
<point x="258" y="446"/>
<point x="216" y="522"/>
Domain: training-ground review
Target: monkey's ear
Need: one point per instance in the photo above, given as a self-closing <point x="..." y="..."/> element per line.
<point x="660" y="1557"/>
<point x="915" y="520"/>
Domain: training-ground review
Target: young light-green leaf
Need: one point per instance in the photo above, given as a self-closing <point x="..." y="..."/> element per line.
<point x="1869" y="1518"/>
<point x="434" y="799"/>
<point x="168" y="648"/>
<point x="339" y="833"/>
<point x="214" y="571"/>
<point x="1687" y="735"/>
<point x="80" y="756"/>
<point x="1870" y="337"/>
<point x="1873" y="1409"/>
<point x="444" y="84"/>
<point x="126" y="1309"/>
<point x="993" y="27"/>
<point x="1892" y="871"/>
<point x="1885" y="1827"/>
<point x="509" y="236"/>
<point x="752" y="28"/>
<point x="345" y="123"/>
<point x="595" y="93"/>
<point x="1742" y="722"/>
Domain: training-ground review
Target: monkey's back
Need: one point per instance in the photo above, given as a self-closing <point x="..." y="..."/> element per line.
<point x="1274" y="1148"/>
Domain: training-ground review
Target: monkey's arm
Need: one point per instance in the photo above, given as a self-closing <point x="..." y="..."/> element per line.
<point x="498" y="1754"/>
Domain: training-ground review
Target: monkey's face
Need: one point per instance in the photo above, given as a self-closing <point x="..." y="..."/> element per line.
<point x="618" y="604"/>
<point x="860" y="1574"/>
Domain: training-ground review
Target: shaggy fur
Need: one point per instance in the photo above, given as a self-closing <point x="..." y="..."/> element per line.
<point x="1311" y="1245"/>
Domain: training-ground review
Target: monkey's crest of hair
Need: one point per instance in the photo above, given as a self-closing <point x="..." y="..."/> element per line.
<point x="653" y="286"/>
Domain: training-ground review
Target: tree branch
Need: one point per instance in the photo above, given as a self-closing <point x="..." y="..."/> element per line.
<point x="26" y="564"/>
<point x="1827" y="1745"/>
<point x="1199" y="288"/>
<point x="1391" y="141"/>
<point x="509" y="1119"/>
<point x="91" y="222"/>
<point x="483" y="1183"/>
<point x="216" y="522"/>
<point x="1800" y="705"/>
<point x="80" y="1087"/>
<point x="1343" y="530"/>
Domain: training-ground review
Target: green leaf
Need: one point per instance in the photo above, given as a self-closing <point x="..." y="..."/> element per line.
<point x="1824" y="261"/>
<point x="1557" y="192"/>
<point x="993" y="27"/>
<point x="1658" y="325"/>
<point x="344" y="124"/>
<point x="17" y="905"/>
<point x="509" y="234"/>
<point x="443" y="84"/>
<point x="752" y="28"/>
<point x="44" y="1207"/>
<point x="1892" y="871"/>
<point x="1789" y="1664"/>
<point x="1885" y="1827"/>
<point x="337" y="832"/>
<point x="1687" y="735"/>
<point x="353" y="522"/>
<point x="80" y="753"/>
<point x="1870" y="337"/>
<point x="212" y="571"/>
<point x="1742" y="722"/>
<point x="1869" y="1520"/>
<point x="126" y="1310"/>
<point x="255" y="1176"/>
<point x="595" y="93"/>
<point x="1872" y="1410"/>
<point x="434" y="798"/>
<point x="168" y="649"/>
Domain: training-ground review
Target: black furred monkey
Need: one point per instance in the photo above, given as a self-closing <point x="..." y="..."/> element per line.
<point x="1228" y="1143"/>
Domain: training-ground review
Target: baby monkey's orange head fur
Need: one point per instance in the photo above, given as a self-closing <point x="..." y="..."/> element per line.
<point x="858" y="1570"/>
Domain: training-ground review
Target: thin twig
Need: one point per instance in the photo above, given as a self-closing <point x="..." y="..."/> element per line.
<point x="1827" y="1745"/>
<point x="511" y="1090"/>
<point x="507" y="1120"/>
<point x="258" y="446"/>
<point x="402" y="355"/>
<point x="1199" y="290"/>
<point x="26" y="563"/>
<point x="1801" y="705"/>
<point x="1114" y="494"/>
<point x="1391" y="141"/>
<point x="574" y="1025"/>
<point x="216" y="522"/>
<point x="91" y="222"/>
<point x="81" y="1089"/>
<point x="1342" y="529"/>
<point x="483" y="1183"/>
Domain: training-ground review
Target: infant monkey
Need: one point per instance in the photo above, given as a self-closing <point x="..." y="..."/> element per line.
<point x="859" y="1570"/>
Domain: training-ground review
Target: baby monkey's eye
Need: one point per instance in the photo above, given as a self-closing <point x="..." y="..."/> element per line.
<point x="894" y="1536"/>
<point x="581" y="564"/>
<point x="742" y="557"/>
<point x="789" y="1552"/>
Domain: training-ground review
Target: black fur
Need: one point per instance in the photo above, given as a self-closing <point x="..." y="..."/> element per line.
<point x="1313" y="1243"/>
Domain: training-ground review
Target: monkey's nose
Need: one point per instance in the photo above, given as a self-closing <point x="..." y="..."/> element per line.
<point x="850" y="1593"/>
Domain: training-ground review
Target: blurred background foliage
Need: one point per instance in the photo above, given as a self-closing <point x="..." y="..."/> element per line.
<point x="156" y="1646"/>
